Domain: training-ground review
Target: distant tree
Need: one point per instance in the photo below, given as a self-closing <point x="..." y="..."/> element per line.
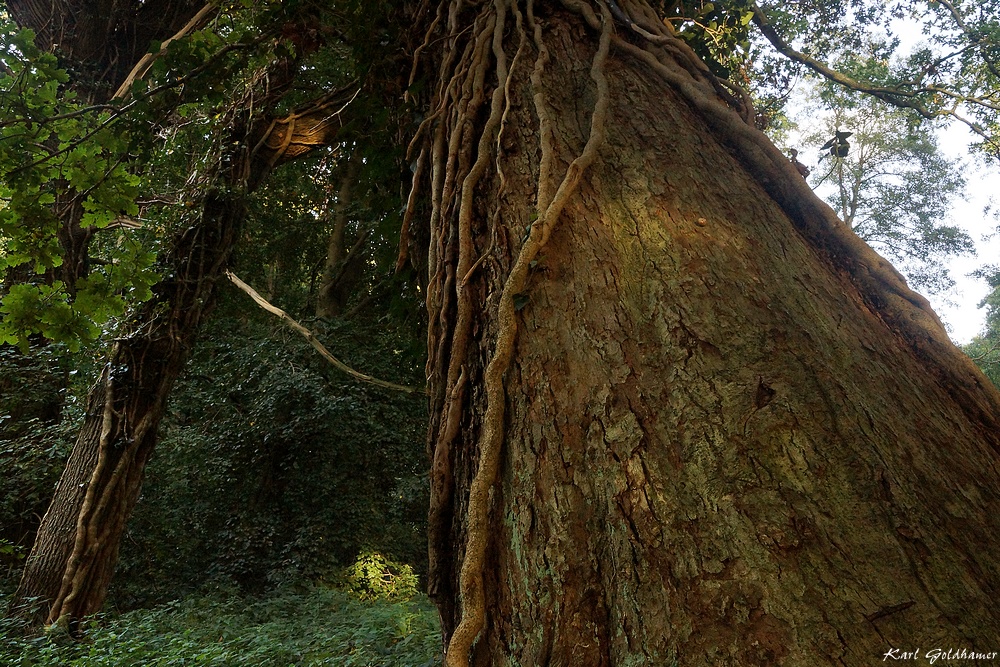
<point x="985" y="348"/>
<point x="891" y="183"/>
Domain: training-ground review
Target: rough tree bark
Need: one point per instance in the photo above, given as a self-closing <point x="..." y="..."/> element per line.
<point x="680" y="413"/>
<point x="76" y="548"/>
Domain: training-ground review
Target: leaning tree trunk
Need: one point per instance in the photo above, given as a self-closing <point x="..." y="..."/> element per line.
<point x="681" y="414"/>
<point x="76" y="548"/>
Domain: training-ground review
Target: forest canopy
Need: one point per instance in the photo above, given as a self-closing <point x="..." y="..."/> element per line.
<point x="114" y="142"/>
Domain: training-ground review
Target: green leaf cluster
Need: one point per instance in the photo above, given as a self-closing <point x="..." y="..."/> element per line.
<point x="55" y="150"/>
<point x="75" y="173"/>
<point x="718" y="31"/>
<point x="375" y="577"/>
<point x="985" y="348"/>
<point x="953" y="73"/>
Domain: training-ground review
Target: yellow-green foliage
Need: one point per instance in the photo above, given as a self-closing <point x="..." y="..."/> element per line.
<point x="375" y="577"/>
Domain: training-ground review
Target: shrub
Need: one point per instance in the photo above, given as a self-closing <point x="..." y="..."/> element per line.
<point x="274" y="468"/>
<point x="374" y="577"/>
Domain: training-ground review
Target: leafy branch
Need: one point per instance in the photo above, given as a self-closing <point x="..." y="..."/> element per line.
<point x="897" y="96"/>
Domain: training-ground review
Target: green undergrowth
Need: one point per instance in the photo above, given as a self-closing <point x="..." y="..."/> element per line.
<point x="322" y="626"/>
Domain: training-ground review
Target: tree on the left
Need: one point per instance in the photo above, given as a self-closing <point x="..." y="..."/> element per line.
<point x="93" y="102"/>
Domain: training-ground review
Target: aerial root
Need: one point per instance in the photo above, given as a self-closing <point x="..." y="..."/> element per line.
<point x="491" y="440"/>
<point x="71" y="576"/>
<point x="456" y="163"/>
<point x="454" y="159"/>
<point x="545" y="127"/>
<point x="405" y="237"/>
<point x="501" y="176"/>
<point x="459" y="644"/>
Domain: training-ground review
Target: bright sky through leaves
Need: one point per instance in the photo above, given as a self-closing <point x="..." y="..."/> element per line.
<point x="960" y="310"/>
<point x="959" y="307"/>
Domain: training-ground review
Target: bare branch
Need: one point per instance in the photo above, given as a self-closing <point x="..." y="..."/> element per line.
<point x="309" y="336"/>
<point x="146" y="61"/>
<point x="994" y="346"/>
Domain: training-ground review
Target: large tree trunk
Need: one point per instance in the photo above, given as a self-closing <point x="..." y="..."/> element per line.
<point x="686" y="418"/>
